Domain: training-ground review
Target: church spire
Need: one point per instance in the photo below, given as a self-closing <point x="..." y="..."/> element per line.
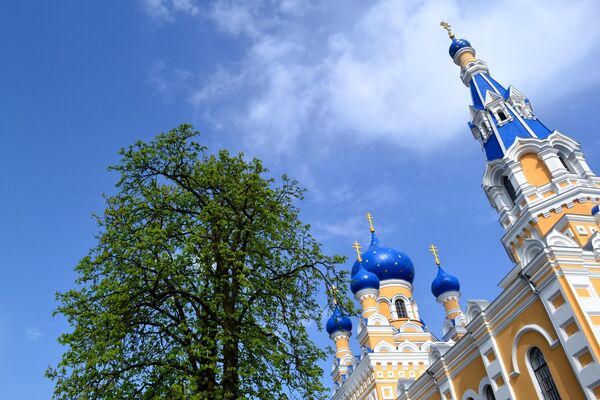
<point x="498" y="115"/>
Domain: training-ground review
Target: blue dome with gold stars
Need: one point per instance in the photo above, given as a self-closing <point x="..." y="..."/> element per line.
<point x="456" y="45"/>
<point x="363" y="279"/>
<point x="338" y="322"/>
<point x="444" y="282"/>
<point x="385" y="262"/>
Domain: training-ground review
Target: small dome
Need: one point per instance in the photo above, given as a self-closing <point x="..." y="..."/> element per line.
<point x="385" y="262"/>
<point x="458" y="44"/>
<point x="363" y="279"/>
<point x="596" y="209"/>
<point x="338" y="322"/>
<point x="444" y="282"/>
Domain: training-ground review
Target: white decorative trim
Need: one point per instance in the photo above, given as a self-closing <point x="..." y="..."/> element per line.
<point x="408" y="345"/>
<point x="469" y="393"/>
<point x="374" y="318"/>
<point x="383" y="345"/>
<point x="555" y="238"/>
<point x="366" y="292"/>
<point x="482" y="384"/>
<point x="525" y="329"/>
<point x="531" y="249"/>
<point x="340" y="335"/>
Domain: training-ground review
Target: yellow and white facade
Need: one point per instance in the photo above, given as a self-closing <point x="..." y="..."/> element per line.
<point x="540" y="338"/>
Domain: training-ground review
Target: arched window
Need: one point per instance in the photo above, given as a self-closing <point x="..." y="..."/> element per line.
<point x="489" y="393"/>
<point x="501" y="116"/>
<point x="509" y="188"/>
<point x="542" y="374"/>
<point x="567" y="165"/>
<point x="401" y="309"/>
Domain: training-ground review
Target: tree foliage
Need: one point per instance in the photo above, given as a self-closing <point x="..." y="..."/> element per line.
<point x="201" y="284"/>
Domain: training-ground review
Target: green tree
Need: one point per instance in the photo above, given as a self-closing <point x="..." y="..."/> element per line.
<point x="200" y="286"/>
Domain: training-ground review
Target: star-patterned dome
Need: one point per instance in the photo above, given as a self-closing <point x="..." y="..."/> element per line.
<point x="385" y="262"/>
<point x="338" y="322"/>
<point x="458" y="44"/>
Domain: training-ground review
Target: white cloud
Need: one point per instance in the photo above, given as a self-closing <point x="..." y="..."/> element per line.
<point x="385" y="74"/>
<point x="168" y="81"/>
<point x="165" y="11"/>
<point x="34" y="334"/>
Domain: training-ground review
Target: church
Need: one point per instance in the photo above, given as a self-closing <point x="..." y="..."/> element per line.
<point x="540" y="338"/>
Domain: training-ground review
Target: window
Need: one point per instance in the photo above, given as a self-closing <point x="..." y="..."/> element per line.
<point x="401" y="309"/>
<point x="542" y="374"/>
<point x="567" y="165"/>
<point x="489" y="393"/>
<point x="501" y="116"/>
<point x="509" y="188"/>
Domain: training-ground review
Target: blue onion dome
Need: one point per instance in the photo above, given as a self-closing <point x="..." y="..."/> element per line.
<point x="458" y="44"/>
<point x="374" y="244"/>
<point x="387" y="263"/>
<point x="338" y="322"/>
<point x="363" y="279"/>
<point x="444" y="282"/>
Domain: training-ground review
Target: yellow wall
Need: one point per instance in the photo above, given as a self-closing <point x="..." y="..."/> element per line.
<point x="368" y="302"/>
<point x="562" y="373"/>
<point x="535" y="170"/>
<point x="469" y="377"/>
<point x="384" y="309"/>
<point x="543" y="225"/>
<point x="452" y="305"/>
<point x="391" y="291"/>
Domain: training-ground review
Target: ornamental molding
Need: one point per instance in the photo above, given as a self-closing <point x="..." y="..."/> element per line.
<point x="525" y="329"/>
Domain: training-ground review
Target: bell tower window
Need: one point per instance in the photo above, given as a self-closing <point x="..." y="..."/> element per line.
<point x="567" y="165"/>
<point x="401" y="309"/>
<point x="509" y="188"/>
<point x="542" y="374"/>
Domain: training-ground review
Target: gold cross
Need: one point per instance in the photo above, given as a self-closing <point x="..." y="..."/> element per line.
<point x="370" y="219"/>
<point x="333" y="289"/>
<point x="447" y="27"/>
<point x="357" y="247"/>
<point x="434" y="251"/>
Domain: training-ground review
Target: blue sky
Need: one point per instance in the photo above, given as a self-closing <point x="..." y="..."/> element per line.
<point x="358" y="101"/>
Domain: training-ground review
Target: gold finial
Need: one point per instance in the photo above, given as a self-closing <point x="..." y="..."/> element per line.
<point x="370" y="219"/>
<point x="434" y="251"/>
<point x="447" y="27"/>
<point x="357" y="247"/>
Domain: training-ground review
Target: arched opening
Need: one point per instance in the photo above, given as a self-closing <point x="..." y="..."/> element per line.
<point x="510" y="190"/>
<point x="488" y="392"/>
<point x="502" y="116"/>
<point x="566" y="164"/>
<point x="542" y="374"/>
<point x="401" y="309"/>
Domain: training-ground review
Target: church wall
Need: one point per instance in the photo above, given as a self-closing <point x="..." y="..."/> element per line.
<point x="535" y="314"/>
<point x="545" y="224"/>
<point x="468" y="378"/>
